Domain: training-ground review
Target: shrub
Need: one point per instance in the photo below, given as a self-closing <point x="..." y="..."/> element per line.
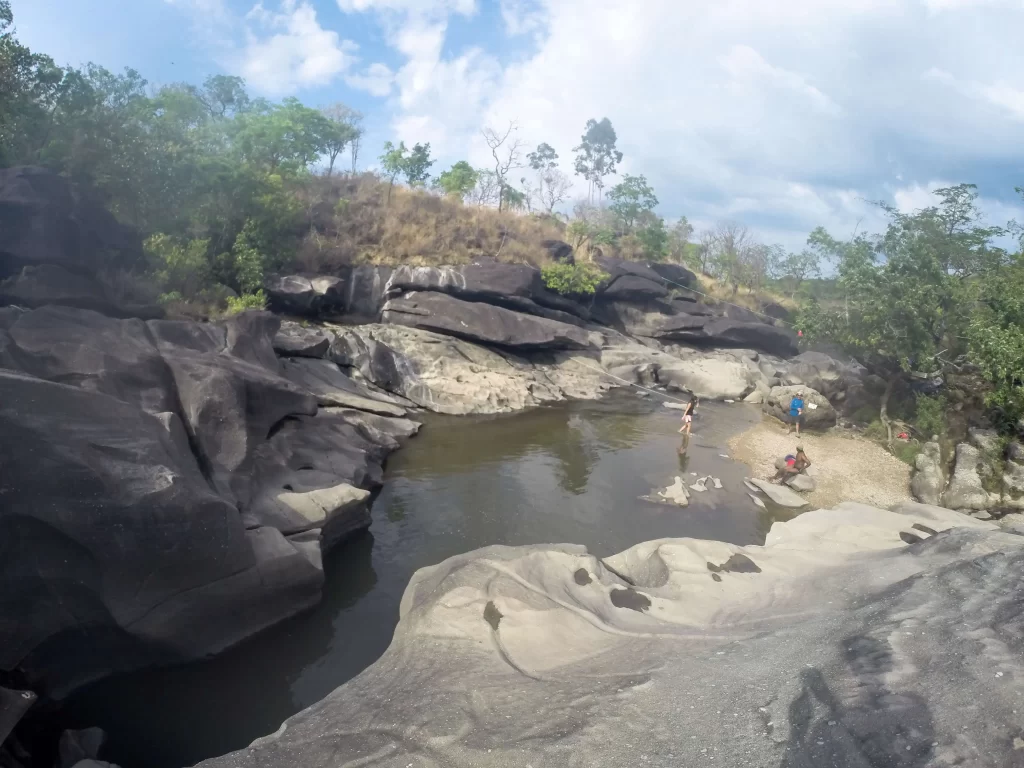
<point x="236" y="304"/>
<point x="573" y="279"/>
<point x="930" y="416"/>
<point x="180" y="266"/>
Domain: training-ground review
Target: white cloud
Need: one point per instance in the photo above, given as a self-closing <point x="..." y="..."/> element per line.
<point x="748" y="68"/>
<point x="522" y="17"/>
<point x="287" y="49"/>
<point x="1005" y="97"/>
<point x="377" y="80"/>
<point x="425" y="7"/>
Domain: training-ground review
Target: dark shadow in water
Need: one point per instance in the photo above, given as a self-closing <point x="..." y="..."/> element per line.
<point x="179" y="715"/>
<point x="568" y="473"/>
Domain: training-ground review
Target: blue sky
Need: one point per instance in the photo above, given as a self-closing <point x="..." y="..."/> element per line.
<point x="782" y="114"/>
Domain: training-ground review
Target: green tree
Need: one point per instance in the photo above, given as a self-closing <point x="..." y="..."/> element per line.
<point x="392" y="163"/>
<point x="654" y="238"/>
<point x="596" y="154"/>
<point x="795" y="268"/>
<point x="632" y="199"/>
<point x="416" y="167"/>
<point x="283" y="138"/>
<point x="458" y="181"/>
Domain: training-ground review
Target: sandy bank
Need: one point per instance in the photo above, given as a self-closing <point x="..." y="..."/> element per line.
<point x="850" y="467"/>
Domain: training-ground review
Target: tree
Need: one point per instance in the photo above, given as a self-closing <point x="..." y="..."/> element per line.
<point x="392" y="163"/>
<point x="343" y="131"/>
<point x="680" y="249"/>
<point x="506" y="149"/>
<point x="631" y="199"/>
<point x="416" y="167"/>
<point x="596" y="155"/>
<point x="543" y="161"/>
<point x="224" y="96"/>
<point x="285" y="137"/>
<point x="487" y="191"/>
<point x="653" y="237"/>
<point x="725" y="248"/>
<point x="458" y="181"/>
<point x="555" y="189"/>
<point x="797" y="267"/>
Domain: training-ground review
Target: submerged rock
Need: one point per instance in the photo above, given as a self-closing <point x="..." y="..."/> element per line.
<point x="797" y="653"/>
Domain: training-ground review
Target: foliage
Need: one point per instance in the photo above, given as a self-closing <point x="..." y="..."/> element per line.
<point x="416" y="166"/>
<point x="236" y="304"/>
<point x="248" y="261"/>
<point x="343" y="129"/>
<point x="392" y="163"/>
<point x="930" y="416"/>
<point x="632" y="199"/>
<point x="458" y="181"/>
<point x="654" y="238"/>
<point x="180" y="267"/>
<point x="573" y="279"/>
<point x="596" y="155"/>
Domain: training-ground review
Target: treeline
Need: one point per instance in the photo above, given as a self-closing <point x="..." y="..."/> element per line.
<point x="934" y="293"/>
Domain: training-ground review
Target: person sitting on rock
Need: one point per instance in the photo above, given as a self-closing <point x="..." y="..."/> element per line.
<point x="791" y="465"/>
<point x="796" y="410"/>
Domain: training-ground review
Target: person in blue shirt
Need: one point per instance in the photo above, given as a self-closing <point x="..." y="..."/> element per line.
<point x="796" y="410"/>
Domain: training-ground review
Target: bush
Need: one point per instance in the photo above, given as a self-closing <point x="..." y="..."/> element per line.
<point x="180" y="266"/>
<point x="573" y="279"/>
<point x="236" y="304"/>
<point x="930" y="416"/>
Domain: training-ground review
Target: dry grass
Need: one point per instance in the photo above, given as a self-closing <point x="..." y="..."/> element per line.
<point x="743" y="296"/>
<point x="352" y="222"/>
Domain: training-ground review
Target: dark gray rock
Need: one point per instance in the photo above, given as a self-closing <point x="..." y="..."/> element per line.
<point x="620" y="267"/>
<point x="632" y="288"/>
<point x="552" y="300"/>
<point x="676" y="273"/>
<point x="722" y="332"/>
<point x="482" y="281"/>
<point x="310" y="296"/>
<point x="42" y="284"/>
<point x="482" y="323"/>
<point x="365" y="295"/>
<point x="530" y="307"/>
<point x="75" y="746"/>
<point x="331" y="387"/>
<point x="294" y="340"/>
<point x="46" y="220"/>
<point x="13" y="706"/>
<point x="144" y="482"/>
<point x="124" y="528"/>
<point x="559" y="251"/>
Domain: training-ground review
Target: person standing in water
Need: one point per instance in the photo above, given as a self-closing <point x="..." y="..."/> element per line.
<point x="688" y="416"/>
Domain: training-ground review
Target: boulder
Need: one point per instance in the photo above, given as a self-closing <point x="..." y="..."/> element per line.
<point x="802" y="483"/>
<point x="620" y="267"/>
<point x="724" y="332"/>
<point x="966" y="488"/>
<point x="679" y="275"/>
<point x="161" y="512"/>
<point x="125" y="528"/>
<point x="44" y="219"/>
<point x="929" y="477"/>
<point x="712" y="378"/>
<point x="821" y="417"/>
<point x="780" y="494"/>
<point x="331" y="387"/>
<point x="632" y="288"/>
<point x="308" y="295"/>
<point x="1013" y="477"/>
<point x="295" y="340"/>
<point x="821" y="373"/>
<point x="449" y="375"/>
<point x="483" y="280"/>
<point x="42" y="284"/>
<point x="482" y="323"/>
<point x="677" y="651"/>
<point x="559" y="251"/>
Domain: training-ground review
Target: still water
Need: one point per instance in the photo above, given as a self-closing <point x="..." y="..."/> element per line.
<point x="568" y="473"/>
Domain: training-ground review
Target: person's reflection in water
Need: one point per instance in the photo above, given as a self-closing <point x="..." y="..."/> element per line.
<point x="684" y="460"/>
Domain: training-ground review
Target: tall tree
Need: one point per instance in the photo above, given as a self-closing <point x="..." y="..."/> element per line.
<point x="343" y="130"/>
<point x="596" y="155"/>
<point x="543" y="160"/>
<point x="631" y="199"/>
<point x="507" y="150"/>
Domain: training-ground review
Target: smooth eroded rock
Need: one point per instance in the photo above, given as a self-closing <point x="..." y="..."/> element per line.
<point x="777" y="405"/>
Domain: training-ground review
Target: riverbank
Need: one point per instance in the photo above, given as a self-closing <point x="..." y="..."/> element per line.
<point x="849" y="467"/>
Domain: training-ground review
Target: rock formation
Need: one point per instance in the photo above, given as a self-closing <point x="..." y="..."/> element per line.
<point x="821" y="416"/>
<point x="854" y="637"/>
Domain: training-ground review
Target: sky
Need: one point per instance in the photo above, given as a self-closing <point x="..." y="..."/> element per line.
<point x="781" y="114"/>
